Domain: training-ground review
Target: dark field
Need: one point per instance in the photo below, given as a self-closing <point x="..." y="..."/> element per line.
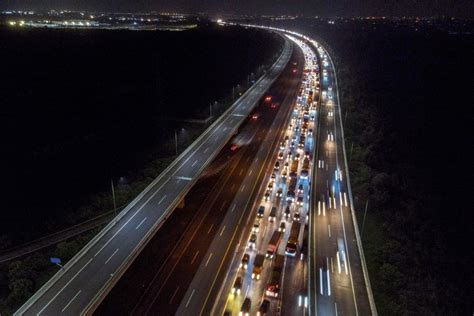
<point x="79" y="107"/>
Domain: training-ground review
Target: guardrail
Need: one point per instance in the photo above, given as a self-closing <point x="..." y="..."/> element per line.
<point x="284" y="55"/>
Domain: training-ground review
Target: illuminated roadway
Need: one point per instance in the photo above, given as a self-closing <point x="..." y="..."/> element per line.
<point x="89" y="274"/>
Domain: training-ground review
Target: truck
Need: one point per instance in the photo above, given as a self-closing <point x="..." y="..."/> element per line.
<point x="305" y="169"/>
<point x="294" y="166"/>
<point x="273" y="244"/>
<point x="273" y="287"/>
<point x="292" y="244"/>
<point x="292" y="188"/>
<point x="257" y="266"/>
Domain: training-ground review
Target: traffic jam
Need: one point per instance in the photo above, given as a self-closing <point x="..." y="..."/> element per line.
<point x="278" y="231"/>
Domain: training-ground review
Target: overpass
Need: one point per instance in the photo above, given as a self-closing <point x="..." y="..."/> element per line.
<point x="90" y="274"/>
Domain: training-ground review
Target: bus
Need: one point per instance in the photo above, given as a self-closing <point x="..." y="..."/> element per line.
<point x="292" y="245"/>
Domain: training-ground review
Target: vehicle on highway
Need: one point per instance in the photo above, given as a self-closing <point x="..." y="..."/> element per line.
<point x="234" y="147"/>
<point x="268" y="98"/>
<point x="270" y="186"/>
<point x="296" y="216"/>
<point x="246" y="305"/>
<point x="299" y="201"/>
<point x="256" y="226"/>
<point x="292" y="244"/>
<point x="283" y="175"/>
<point x="261" y="211"/>
<point x="272" y="215"/>
<point x="255" y="116"/>
<point x="287" y="211"/>
<point x="275" y="105"/>
<point x="279" y="193"/>
<point x="273" y="177"/>
<point x="280" y="155"/>
<point x="237" y="286"/>
<point x="297" y="158"/>
<point x="264" y="307"/>
<point x="273" y="244"/>
<point x="291" y="189"/>
<point x="253" y="240"/>
<point x="341" y="255"/>
<point x="277" y="166"/>
<point x="282" y="146"/>
<point x="286" y="139"/>
<point x="292" y="144"/>
<point x="244" y="263"/>
<point x="273" y="287"/>
<point x="257" y="266"/>
<point x="282" y="227"/>
<point x="300" y="189"/>
<point x="267" y="195"/>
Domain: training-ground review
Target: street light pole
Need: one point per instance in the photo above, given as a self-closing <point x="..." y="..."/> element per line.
<point x="113" y="196"/>
<point x="176" y="141"/>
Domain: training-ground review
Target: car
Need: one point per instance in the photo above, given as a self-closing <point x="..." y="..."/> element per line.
<point x="299" y="201"/>
<point x="252" y="240"/>
<point x="292" y="144"/>
<point x="310" y="131"/>
<point x="277" y="166"/>
<point x="286" y="139"/>
<point x="282" y="145"/>
<point x="290" y="127"/>
<point x="256" y="226"/>
<point x="286" y="165"/>
<point x="300" y="189"/>
<point x="282" y="227"/>
<point x="272" y="216"/>
<point x="279" y="193"/>
<point x="237" y="286"/>
<point x="296" y="216"/>
<point x="264" y="307"/>
<point x="270" y="186"/>
<point x="289" y="157"/>
<point x="284" y="173"/>
<point x="268" y="98"/>
<point x="261" y="211"/>
<point x="246" y="305"/>
<point x="273" y="177"/>
<point x="297" y="156"/>
<point x="244" y="263"/>
<point x="267" y="195"/>
<point x="274" y="105"/>
<point x="280" y="155"/>
<point x="287" y="211"/>
<point x="307" y="154"/>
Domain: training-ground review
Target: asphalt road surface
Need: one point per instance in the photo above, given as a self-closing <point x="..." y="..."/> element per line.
<point x="99" y="265"/>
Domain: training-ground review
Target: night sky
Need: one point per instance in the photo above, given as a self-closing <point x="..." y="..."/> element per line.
<point x="307" y="7"/>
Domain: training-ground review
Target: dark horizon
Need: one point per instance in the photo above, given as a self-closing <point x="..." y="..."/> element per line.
<point x="425" y="8"/>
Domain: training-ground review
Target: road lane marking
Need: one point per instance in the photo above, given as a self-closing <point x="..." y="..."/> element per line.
<point x="70" y="301"/>
<point x="330" y="198"/>
<point x="329" y="279"/>
<point x="250" y="172"/>
<point x="162" y="199"/>
<point x="319" y="207"/>
<point x="338" y="263"/>
<point x="242" y="189"/>
<point x="247" y="290"/>
<point x="138" y="226"/>
<point x="222" y="231"/>
<point x="190" y="296"/>
<point x="335" y="308"/>
<point x="345" y="199"/>
<point x="212" y="225"/>
<point x="329" y="230"/>
<point x="324" y="208"/>
<point x="321" y="281"/>
<point x="184" y="178"/>
<point x="233" y="208"/>
<point x="205" y="151"/>
<point x="59" y="292"/>
<point x="241" y="171"/>
<point x="195" y="256"/>
<point x="174" y="294"/>
<point x="111" y="256"/>
<point x="208" y="259"/>
<point x="340" y="198"/>
<point x="194" y="163"/>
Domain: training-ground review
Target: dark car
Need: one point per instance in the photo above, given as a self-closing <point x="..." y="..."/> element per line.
<point x="245" y="310"/>
<point x="263" y="309"/>
<point x="237" y="286"/>
<point x="245" y="261"/>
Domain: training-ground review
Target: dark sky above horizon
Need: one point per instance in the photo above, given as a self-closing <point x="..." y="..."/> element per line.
<point x="306" y="7"/>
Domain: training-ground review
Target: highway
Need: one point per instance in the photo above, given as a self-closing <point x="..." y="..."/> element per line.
<point x="236" y="172"/>
<point x="88" y="276"/>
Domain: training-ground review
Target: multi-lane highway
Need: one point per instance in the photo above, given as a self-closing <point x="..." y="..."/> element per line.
<point x="165" y="288"/>
<point x="89" y="275"/>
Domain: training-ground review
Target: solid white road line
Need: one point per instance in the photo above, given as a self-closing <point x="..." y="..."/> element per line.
<point x="174" y="294"/>
<point x="208" y="259"/>
<point x="190" y="296"/>
<point x="70" y="301"/>
<point x="329" y="280"/>
<point x="324" y="208"/>
<point x="59" y="292"/>
<point x="319" y="207"/>
<point x="338" y="263"/>
<point x="138" y="226"/>
<point x="345" y="199"/>
<point x="195" y="256"/>
<point x="184" y="178"/>
<point x="321" y="281"/>
<point x="111" y="256"/>
<point x="162" y="199"/>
